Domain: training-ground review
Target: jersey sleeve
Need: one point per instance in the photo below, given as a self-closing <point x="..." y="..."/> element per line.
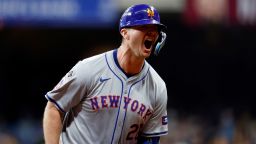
<point x="69" y="91"/>
<point x="157" y="125"/>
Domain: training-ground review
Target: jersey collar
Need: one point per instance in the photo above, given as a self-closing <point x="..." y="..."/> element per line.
<point x="112" y="57"/>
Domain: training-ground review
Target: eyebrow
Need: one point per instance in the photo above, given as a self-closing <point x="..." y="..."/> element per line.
<point x="147" y="27"/>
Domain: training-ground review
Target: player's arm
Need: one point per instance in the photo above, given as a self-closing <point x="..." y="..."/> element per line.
<point x="149" y="140"/>
<point x="52" y="123"/>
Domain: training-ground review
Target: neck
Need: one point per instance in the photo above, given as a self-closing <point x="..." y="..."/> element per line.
<point x="128" y="62"/>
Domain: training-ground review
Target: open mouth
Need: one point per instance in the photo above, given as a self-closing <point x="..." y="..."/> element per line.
<point x="148" y="43"/>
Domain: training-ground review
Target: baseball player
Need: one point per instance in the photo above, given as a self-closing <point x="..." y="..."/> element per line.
<point x="115" y="97"/>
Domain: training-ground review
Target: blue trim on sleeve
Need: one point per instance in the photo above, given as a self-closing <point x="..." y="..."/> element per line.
<point x="52" y="100"/>
<point x="155" y="134"/>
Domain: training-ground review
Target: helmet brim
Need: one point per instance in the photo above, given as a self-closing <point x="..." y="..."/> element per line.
<point x="142" y="22"/>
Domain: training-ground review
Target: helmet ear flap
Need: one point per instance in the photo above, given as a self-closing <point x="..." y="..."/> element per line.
<point x="160" y="42"/>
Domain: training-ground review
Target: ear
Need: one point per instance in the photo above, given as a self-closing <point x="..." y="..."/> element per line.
<point x="124" y="33"/>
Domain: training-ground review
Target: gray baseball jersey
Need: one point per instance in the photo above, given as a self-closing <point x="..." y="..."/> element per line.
<point x="104" y="106"/>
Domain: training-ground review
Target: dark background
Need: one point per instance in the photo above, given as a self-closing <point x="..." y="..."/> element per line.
<point x="207" y="68"/>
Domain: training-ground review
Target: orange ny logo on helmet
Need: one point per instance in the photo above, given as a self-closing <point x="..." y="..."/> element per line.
<point x="150" y="12"/>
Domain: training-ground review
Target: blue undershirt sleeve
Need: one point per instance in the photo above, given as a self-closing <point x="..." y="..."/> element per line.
<point x="149" y="140"/>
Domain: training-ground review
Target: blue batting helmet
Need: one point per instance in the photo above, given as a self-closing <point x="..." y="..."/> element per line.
<point x="141" y="14"/>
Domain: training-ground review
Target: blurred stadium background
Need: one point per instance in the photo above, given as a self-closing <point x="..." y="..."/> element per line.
<point x="208" y="63"/>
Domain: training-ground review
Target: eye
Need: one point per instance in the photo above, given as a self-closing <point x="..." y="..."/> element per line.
<point x="140" y="28"/>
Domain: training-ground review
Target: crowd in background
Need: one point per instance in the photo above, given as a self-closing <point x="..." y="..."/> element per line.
<point x="195" y="129"/>
<point x="183" y="129"/>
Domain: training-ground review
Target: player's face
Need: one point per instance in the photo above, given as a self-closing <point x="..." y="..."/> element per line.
<point x="142" y="39"/>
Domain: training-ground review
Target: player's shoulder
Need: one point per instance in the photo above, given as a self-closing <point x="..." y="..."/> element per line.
<point x="94" y="58"/>
<point x="156" y="78"/>
<point x="158" y="86"/>
<point x="91" y="65"/>
<point x="94" y="61"/>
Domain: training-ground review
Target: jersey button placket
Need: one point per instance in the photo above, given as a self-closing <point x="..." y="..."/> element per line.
<point x="125" y="88"/>
<point x="125" y="94"/>
<point x="120" y="123"/>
